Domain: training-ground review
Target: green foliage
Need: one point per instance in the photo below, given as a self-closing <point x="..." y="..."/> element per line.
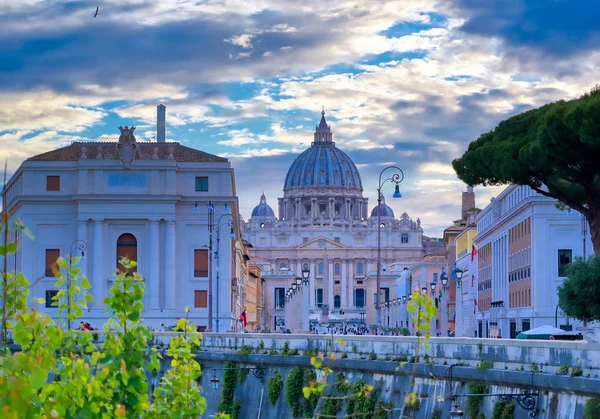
<point x="436" y="414"/>
<point x="273" y="351"/>
<point x="423" y="310"/>
<point x="286" y="348"/>
<point x="310" y="403"/>
<point x="557" y="145"/>
<point x="485" y="365"/>
<point x="474" y="403"/>
<point x="293" y="391"/>
<point x="563" y="370"/>
<point x="579" y="294"/>
<point x="275" y="387"/>
<point x="534" y="367"/>
<point x="245" y="350"/>
<point x="576" y="372"/>
<point x="503" y="410"/>
<point x="229" y="383"/>
<point x="104" y="382"/>
<point x="592" y="408"/>
<point x="260" y="346"/>
<point x="372" y="356"/>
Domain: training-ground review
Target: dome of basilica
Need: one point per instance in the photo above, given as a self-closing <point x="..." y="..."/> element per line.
<point x="323" y="165"/>
<point x="263" y="209"/>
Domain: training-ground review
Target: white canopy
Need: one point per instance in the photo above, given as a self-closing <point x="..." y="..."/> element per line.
<point x="545" y="330"/>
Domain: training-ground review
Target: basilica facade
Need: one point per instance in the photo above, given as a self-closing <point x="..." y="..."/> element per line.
<point x="324" y="225"/>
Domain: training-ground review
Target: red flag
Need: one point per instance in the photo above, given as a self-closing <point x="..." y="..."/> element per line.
<point x="475" y="305"/>
<point x="473" y="253"/>
<point x="243" y="317"/>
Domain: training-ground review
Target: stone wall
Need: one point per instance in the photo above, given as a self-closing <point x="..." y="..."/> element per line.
<point x="558" y="396"/>
<point x="505" y="354"/>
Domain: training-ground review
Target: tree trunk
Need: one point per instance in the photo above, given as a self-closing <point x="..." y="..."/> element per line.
<point x="593" y="219"/>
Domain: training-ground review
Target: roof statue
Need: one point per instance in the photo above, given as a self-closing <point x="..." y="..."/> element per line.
<point x="127" y="147"/>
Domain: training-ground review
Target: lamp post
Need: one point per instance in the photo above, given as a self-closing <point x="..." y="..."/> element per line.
<point x="217" y="255"/>
<point x="444" y="302"/>
<point x="396" y="178"/>
<point x="81" y="246"/>
<point x="305" y="296"/>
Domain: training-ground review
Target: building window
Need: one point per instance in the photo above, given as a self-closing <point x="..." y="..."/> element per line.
<point x="307" y="209"/>
<point x="526" y="325"/>
<point x="51" y="266"/>
<point x="200" y="263"/>
<point x="283" y="266"/>
<point x="201" y="184"/>
<point x="564" y="258"/>
<point x="283" y="240"/>
<point x="50" y="302"/>
<point x="336" y="239"/>
<point x="263" y="240"/>
<point x="337" y="301"/>
<point x="435" y="277"/>
<point x="126" y="248"/>
<point x="404" y="238"/>
<point x="319" y="297"/>
<point x="323" y="209"/>
<point x="359" y="297"/>
<point x="279" y="297"/>
<point x="305" y="267"/>
<point x="53" y="183"/>
<point x="337" y="282"/>
<point x="338" y="270"/>
<point x="200" y="299"/>
<point x="304" y="239"/>
<point x="359" y="268"/>
<point x="321" y="268"/>
<point x="337" y="209"/>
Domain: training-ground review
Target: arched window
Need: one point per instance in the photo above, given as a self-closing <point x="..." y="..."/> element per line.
<point x="305" y="267"/>
<point x="282" y="266"/>
<point x="126" y="248"/>
<point x="321" y="267"/>
<point x="359" y="297"/>
<point x="337" y="269"/>
<point x="359" y="268"/>
<point x="337" y="301"/>
<point x="319" y="292"/>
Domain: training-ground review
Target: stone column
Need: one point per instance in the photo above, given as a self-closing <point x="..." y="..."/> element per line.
<point x="330" y="281"/>
<point x="170" y="277"/>
<point x="313" y="207"/>
<point x="344" y="282"/>
<point x="331" y="208"/>
<point x="98" y="278"/>
<point x="313" y="280"/>
<point x="350" y="283"/>
<point x="153" y="272"/>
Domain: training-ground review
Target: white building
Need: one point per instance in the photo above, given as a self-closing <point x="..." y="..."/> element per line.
<point x="324" y="225"/>
<point x="524" y="243"/>
<point x="106" y="200"/>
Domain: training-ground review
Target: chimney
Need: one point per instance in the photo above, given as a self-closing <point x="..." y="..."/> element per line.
<point x="468" y="202"/>
<point x="161" y="111"/>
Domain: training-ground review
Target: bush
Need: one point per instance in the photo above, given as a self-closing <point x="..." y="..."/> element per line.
<point x="245" y="350"/>
<point x="503" y="410"/>
<point x="474" y="403"/>
<point x="116" y="374"/>
<point x="275" y="386"/>
<point x="286" y="348"/>
<point x="563" y="370"/>
<point x="592" y="409"/>
<point x="372" y="356"/>
<point x="576" y="372"/>
<point x="293" y="391"/>
<point x="484" y="365"/>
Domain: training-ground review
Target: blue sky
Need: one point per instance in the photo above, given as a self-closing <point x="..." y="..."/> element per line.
<point x="406" y="82"/>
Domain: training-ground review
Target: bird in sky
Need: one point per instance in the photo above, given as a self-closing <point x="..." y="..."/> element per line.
<point x="96" y="12"/>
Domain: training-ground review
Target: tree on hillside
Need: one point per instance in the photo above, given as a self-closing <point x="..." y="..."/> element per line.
<point x="554" y="149"/>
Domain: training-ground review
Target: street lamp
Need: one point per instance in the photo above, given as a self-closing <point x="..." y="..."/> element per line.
<point x="433" y="285"/>
<point x="217" y="254"/>
<point x="403" y="298"/>
<point x="396" y="178"/>
<point x="459" y="275"/>
<point x="444" y="279"/>
<point x="305" y="275"/>
<point x="214" y="382"/>
<point x="299" y="282"/>
<point x="424" y="290"/>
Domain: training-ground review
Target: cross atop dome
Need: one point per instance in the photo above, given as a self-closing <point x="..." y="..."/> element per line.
<point x="323" y="133"/>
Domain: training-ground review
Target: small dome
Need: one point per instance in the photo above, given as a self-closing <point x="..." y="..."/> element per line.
<point x="386" y="211"/>
<point x="263" y="209"/>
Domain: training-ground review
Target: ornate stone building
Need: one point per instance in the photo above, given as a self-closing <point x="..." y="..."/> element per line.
<point x="324" y="225"/>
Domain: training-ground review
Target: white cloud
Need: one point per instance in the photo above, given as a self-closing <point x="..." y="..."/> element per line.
<point x="244" y="41"/>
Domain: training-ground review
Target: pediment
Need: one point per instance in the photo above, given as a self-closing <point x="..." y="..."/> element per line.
<point x="320" y="243"/>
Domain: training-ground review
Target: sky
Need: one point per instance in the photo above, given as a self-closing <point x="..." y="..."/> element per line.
<point x="403" y="82"/>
